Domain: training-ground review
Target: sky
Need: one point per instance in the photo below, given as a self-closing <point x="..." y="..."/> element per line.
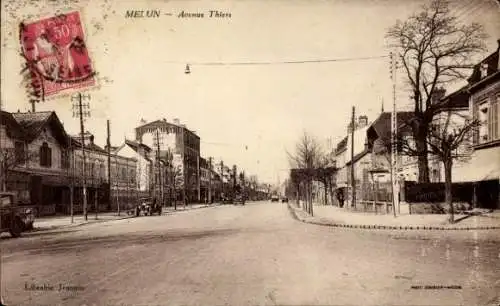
<point x="248" y="115"/>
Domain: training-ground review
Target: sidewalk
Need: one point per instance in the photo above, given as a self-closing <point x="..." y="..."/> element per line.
<point x="55" y="222"/>
<point x="340" y="217"/>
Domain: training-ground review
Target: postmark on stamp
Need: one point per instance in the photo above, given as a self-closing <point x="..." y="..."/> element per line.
<point x="56" y="54"/>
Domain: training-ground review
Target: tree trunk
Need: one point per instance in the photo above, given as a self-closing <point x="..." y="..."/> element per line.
<point x="421" y="146"/>
<point x="309" y="184"/>
<point x="448" y="163"/>
<point x="325" y="182"/>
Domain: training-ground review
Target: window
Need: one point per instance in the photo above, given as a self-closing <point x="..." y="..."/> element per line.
<point x="19" y="152"/>
<point x="64" y="159"/>
<point x="484" y="70"/>
<point x="493" y="120"/>
<point x="45" y="155"/>
<point x="102" y="172"/>
<point x="132" y="175"/>
<point x="487" y="114"/>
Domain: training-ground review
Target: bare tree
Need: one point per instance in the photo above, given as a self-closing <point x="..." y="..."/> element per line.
<point x="434" y="50"/>
<point x="449" y="140"/>
<point x="174" y="175"/>
<point x="10" y="160"/>
<point x="307" y="158"/>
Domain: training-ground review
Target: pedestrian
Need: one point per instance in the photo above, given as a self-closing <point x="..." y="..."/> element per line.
<point x="340" y="197"/>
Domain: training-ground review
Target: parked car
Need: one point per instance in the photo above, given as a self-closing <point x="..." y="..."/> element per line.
<point x="239" y="199"/>
<point x="275" y="198"/>
<point x="284" y="200"/>
<point x="12" y="218"/>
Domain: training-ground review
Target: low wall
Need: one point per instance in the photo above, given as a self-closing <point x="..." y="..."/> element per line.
<point x="436" y="208"/>
<point x="370" y="206"/>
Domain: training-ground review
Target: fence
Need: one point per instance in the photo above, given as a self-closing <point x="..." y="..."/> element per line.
<point x="375" y="197"/>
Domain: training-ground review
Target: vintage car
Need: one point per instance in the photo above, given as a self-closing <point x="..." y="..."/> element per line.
<point x="239" y="199"/>
<point x="13" y="218"/>
<point x="147" y="207"/>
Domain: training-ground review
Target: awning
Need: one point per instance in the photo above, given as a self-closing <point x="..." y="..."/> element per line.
<point x="484" y="165"/>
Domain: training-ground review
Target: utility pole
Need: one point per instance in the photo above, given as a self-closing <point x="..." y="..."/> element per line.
<point x="198" y="175"/>
<point x="222" y="176"/>
<point x="394" y="127"/>
<point x="157" y="141"/>
<point x="78" y="111"/>
<point x="353" y="179"/>
<point x="210" y="180"/>
<point x="97" y="181"/>
<point x="117" y="173"/>
<point x="3" y="183"/>
<point x="108" y="149"/>
<point x="72" y="177"/>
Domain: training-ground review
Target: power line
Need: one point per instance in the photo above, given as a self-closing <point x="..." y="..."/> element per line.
<point x="279" y="62"/>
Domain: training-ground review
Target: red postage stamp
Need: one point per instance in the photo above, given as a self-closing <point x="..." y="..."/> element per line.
<point x="57" y="57"/>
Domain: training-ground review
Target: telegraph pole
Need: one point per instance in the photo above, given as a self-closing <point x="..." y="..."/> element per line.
<point x="108" y="144"/>
<point x="222" y="176"/>
<point x="394" y="127"/>
<point x="353" y="179"/>
<point x="72" y="177"/>
<point x="98" y="184"/>
<point x="210" y="180"/>
<point x="81" y="114"/>
<point x="117" y="185"/>
<point x="198" y="182"/>
<point x="158" y="165"/>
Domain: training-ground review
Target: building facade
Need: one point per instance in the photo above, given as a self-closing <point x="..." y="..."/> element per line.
<point x="36" y="152"/>
<point x="144" y="166"/>
<point x="174" y="138"/>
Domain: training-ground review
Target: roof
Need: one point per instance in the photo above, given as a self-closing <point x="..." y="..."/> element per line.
<point x="34" y="122"/>
<point x="492" y="62"/>
<point x="136" y="145"/>
<point x="359" y="156"/>
<point x="359" y="142"/>
<point x="13" y="128"/>
<point x="381" y="127"/>
<point x="91" y="146"/>
<point x="457" y="99"/>
<point x="163" y="122"/>
<point x="342" y="145"/>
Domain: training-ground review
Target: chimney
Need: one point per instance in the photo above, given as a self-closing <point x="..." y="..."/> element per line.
<point x="362" y="121"/>
<point x="176" y="121"/>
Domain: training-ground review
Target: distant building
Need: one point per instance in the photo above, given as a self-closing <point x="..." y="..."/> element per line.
<point x="342" y="156"/>
<point x="123" y="190"/>
<point x="144" y="168"/>
<point x="175" y="138"/>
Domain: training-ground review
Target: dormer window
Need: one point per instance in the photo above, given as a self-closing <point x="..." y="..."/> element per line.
<point x="484" y="70"/>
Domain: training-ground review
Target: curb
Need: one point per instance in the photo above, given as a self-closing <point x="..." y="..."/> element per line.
<point x="390" y="227"/>
<point x="38" y="229"/>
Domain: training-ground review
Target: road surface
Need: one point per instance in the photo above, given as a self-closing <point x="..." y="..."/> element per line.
<point x="255" y="254"/>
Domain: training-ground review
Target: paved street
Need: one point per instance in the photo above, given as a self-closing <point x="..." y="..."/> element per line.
<point x="255" y="254"/>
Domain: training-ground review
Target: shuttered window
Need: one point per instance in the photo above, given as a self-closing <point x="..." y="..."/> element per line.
<point x="493" y="119"/>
